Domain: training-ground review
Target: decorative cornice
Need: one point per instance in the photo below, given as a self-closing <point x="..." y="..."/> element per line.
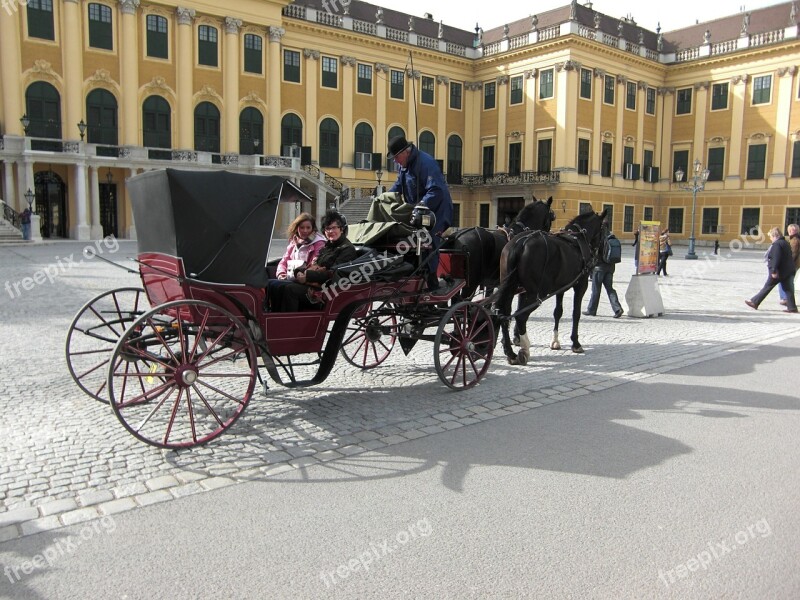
<point x="382" y="68"/>
<point x="276" y="33"/>
<point x="608" y="134"/>
<point x="442" y="80"/>
<point x="348" y="61"/>
<point x="232" y="25"/>
<point x="531" y="73"/>
<point x="185" y="15"/>
<point x="760" y="136"/>
<point x="253" y="98"/>
<point x="311" y="54"/>
<point x="717" y="140"/>
<point x="43" y="69"/>
<point x="783" y="71"/>
<point x="158" y="83"/>
<point x="502" y="80"/>
<point x="101" y="76"/>
<point x="128" y="7"/>
<point x="737" y="79"/>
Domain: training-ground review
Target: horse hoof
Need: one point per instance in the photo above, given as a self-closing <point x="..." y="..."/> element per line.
<point x="522" y="358"/>
<point x="512" y="360"/>
<point x="555" y="346"/>
<point x="577" y="349"/>
<point x="515" y="341"/>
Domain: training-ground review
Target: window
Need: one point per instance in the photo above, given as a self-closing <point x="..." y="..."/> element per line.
<point x="586" y="84"/>
<point x="456" y="215"/>
<point x="683" y="102"/>
<point x="483" y="219"/>
<point x="489" y="91"/>
<point x="157" y="43"/>
<point x="544" y="156"/>
<point x="606" y="156"/>
<point x="516" y="90"/>
<point x="291" y="133"/>
<point x="792" y="216"/>
<point x="455" y="149"/>
<point x="207" y="45"/>
<point x="426" y="93"/>
<point x="608" y="89"/>
<point x="650" y="104"/>
<point x="455" y="95"/>
<point x="648" y="213"/>
<point x="627" y="154"/>
<point x="488" y="161"/>
<point x="719" y="96"/>
<point x="710" y="221"/>
<point x="43" y="107"/>
<point x="627" y="219"/>
<point x="251" y="130"/>
<point x="427" y="143"/>
<point x="291" y="66"/>
<point x="40" y="19"/>
<point x="583" y="156"/>
<point x="515" y="159"/>
<point x="584" y="207"/>
<point x="675" y="220"/>
<point x="364" y="79"/>
<point x="206" y="127"/>
<point x="546" y="84"/>
<point x="156" y="128"/>
<point x="796" y="159"/>
<point x="609" y="208"/>
<point x="756" y="161"/>
<point x="680" y="160"/>
<point x="101" y="118"/>
<point x="363" y="139"/>
<point x="750" y="221"/>
<point x="716" y="163"/>
<point x="761" y="89"/>
<point x="329" y="143"/>
<point x="630" y="96"/>
<point x="647" y="160"/>
<point x="100" y="33"/>
<point x="397" y="90"/>
<point x="253" y="45"/>
<point x="330" y="74"/>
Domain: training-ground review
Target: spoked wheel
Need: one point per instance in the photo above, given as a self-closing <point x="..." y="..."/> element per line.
<point x="94" y="333"/>
<point x="182" y="374"/>
<point x="463" y="346"/>
<point x="369" y="339"/>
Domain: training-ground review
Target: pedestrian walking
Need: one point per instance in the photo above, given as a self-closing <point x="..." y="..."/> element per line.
<point x="780" y="269"/>
<point x="603" y="276"/>
<point x="25" y="221"/>
<point x="716" y="246"/>
<point x="794" y="241"/>
<point x="664" y="252"/>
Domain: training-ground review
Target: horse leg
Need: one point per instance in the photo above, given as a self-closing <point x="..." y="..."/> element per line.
<point x="557" y="312"/>
<point x="579" y="290"/>
<point x="504" y="308"/>
<point x="521" y="328"/>
<point x="515" y="341"/>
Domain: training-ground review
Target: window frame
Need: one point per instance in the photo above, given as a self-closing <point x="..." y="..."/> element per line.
<point x="583" y="157"/>
<point x="547" y="88"/>
<point x="515" y="159"/>
<point x="650" y="101"/>
<point x="744" y="229"/>
<point x="364" y="79"/>
<point x="675" y="224"/>
<point x="154" y="37"/>
<point x="680" y="158"/>
<point x="427" y="90"/>
<point x="329" y="73"/>
<point x="516" y="94"/>
<point x="455" y="85"/>
<point x="795" y="168"/>
<point x="487" y="160"/>
<point x="41" y="30"/>
<point x="249" y="54"/>
<point x="716" y="167"/>
<point x="606" y="159"/>
<point x="683" y="101"/>
<point x="630" y="99"/>
<point x="708" y="220"/>
<point x="394" y="85"/>
<point x="490" y="85"/>
<point x="204" y="46"/>
<point x="100" y="31"/>
<point x="544" y="155"/>
<point x="761" y="95"/>
<point x="627" y="218"/>
<point x="289" y="69"/>
<point x="716" y="98"/>
<point x="753" y="165"/>
<point x="583" y="93"/>
<point x="609" y="89"/>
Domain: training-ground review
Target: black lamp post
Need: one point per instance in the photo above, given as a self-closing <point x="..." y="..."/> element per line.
<point x="30" y="196"/>
<point x="26" y="122"/>
<point x="379" y="176"/>
<point x="82" y="128"/>
<point x="698" y="184"/>
<point x="564" y="206"/>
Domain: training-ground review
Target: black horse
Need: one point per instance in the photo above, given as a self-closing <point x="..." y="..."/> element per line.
<point x="547" y="264"/>
<point x="485" y="246"/>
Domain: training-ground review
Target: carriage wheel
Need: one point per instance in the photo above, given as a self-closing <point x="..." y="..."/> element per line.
<point x="369" y="339"/>
<point x="94" y="333"/>
<point x="463" y="347"/>
<point x="182" y="374"/>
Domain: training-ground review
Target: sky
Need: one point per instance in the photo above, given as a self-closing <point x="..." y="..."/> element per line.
<point x="674" y="14"/>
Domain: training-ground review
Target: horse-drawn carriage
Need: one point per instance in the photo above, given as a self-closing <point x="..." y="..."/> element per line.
<point x="178" y="358"/>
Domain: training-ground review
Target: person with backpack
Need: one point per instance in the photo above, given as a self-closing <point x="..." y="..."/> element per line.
<point x="603" y="275"/>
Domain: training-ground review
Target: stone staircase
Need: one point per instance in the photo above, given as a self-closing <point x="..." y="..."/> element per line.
<point x="9" y="233"/>
<point x="356" y="210"/>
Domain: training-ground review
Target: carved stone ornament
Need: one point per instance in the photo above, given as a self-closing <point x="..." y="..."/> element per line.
<point x="737" y="79"/>
<point x="276" y="33"/>
<point x="411" y="23"/>
<point x="597" y="20"/>
<point x="745" y="24"/>
<point x="707" y="36"/>
<point x="505" y="32"/>
<point x="232" y="25"/>
<point x="101" y="76"/>
<point x="534" y="22"/>
<point x="701" y="85"/>
<point x="599" y="73"/>
<point x="641" y="38"/>
<point x="573" y="10"/>
<point x="348" y="61"/>
<point x="381" y="68"/>
<point x="716" y="140"/>
<point x="311" y="54"/>
<point x="440" y="33"/>
<point x="415" y="74"/>
<point x="128" y="7"/>
<point x="607" y="134"/>
<point x="208" y="93"/>
<point x="793" y="14"/>
<point x="442" y="80"/>
<point x="665" y="91"/>
<point x="620" y="27"/>
<point x="783" y="71"/>
<point x="621" y="79"/>
<point x="158" y="83"/>
<point x="641" y="85"/>
<point x="473" y="86"/>
<point x="185" y="15"/>
<point x="253" y="98"/>
<point x="379" y="16"/>
<point x="531" y="73"/>
<point x="502" y="80"/>
<point x="44" y="70"/>
<point x="569" y="65"/>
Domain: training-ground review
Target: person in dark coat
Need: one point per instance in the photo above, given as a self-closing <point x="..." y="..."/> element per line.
<point x="794" y="241"/>
<point x="781" y="269"/>
<point x="603" y="276"/>
<point x="420" y="181"/>
<point x="337" y="250"/>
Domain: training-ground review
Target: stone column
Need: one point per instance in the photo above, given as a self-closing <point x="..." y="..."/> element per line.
<point x="666" y="108"/>
<point x="413" y="100"/>
<point x="528" y="153"/>
<point x="566" y="110"/>
<point x="10" y="195"/>
<point x="597" y="137"/>
<point x="501" y="149"/>
<point x="230" y="85"/>
<point x="619" y="138"/>
<point x="783" y="93"/>
<point x="272" y="145"/>
<point x="382" y="75"/>
<point x="81" y="229"/>
<point x="471" y="159"/>
<point x="441" y="116"/>
<point x="185" y="83"/>
<point x="94" y="195"/>
<point x="10" y="69"/>
<point x="348" y="91"/>
<point x="733" y="180"/>
<point x="73" y="69"/>
<point x="700" y="113"/>
<point x="311" y="72"/>
<point x="129" y="72"/>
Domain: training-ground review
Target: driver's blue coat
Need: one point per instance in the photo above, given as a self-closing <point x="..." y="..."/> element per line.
<point x="433" y="190"/>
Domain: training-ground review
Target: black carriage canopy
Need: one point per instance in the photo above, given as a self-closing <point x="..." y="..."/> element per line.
<point x="220" y="223"/>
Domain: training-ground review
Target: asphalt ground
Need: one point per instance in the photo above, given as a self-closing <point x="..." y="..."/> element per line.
<point x="613" y="473"/>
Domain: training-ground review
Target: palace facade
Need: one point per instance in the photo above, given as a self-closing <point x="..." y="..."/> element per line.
<point x="571" y="103"/>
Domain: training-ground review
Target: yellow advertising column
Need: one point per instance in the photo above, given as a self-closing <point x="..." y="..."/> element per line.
<point x="185" y="66"/>
<point x="73" y="68"/>
<point x="129" y="72"/>
<point x="10" y="68"/>
<point x="230" y="84"/>
<point x="272" y="145"/>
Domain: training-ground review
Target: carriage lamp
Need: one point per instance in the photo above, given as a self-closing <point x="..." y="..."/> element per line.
<point x="564" y="205"/>
<point x="82" y="128"/>
<point x="29" y="196"/>
<point x="26" y="122"/>
<point x="698" y="184"/>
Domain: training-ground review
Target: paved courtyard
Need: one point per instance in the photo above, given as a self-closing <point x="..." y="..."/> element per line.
<point x="65" y="459"/>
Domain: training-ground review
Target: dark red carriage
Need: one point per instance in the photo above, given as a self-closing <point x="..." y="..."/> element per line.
<point x="178" y="359"/>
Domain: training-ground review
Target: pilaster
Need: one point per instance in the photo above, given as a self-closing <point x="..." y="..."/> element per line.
<point x="311" y="74"/>
<point x="501" y="162"/>
<point x="10" y="69"/>
<point x="786" y="83"/>
<point x="230" y="85"/>
<point x="700" y="113"/>
<point x="528" y="154"/>
<point x="129" y="73"/>
<point x="272" y="144"/>
<point x="739" y="84"/>
<point x="73" y="69"/>
<point x="348" y="92"/>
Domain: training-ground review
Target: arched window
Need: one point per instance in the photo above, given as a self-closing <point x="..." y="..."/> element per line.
<point x="329" y="143"/>
<point x="251" y="131"/>
<point x="101" y="114"/>
<point x="43" y="107"/>
<point x="454" y="152"/>
<point x="363" y="138"/>
<point x="427" y="143"/>
<point x="156" y="123"/>
<point x="206" y="127"/>
<point x="292" y="133"/>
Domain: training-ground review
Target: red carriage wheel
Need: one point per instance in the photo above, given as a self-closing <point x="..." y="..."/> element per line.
<point x="369" y="340"/>
<point x="94" y="333"/>
<point x="463" y="346"/>
<point x="182" y="374"/>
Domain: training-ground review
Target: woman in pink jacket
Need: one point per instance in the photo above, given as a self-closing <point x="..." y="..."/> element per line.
<point x="305" y="242"/>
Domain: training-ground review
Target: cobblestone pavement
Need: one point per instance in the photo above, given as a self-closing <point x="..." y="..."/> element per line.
<point x="64" y="457"/>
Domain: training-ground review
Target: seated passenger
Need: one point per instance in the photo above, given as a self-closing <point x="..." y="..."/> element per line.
<point x="305" y="242"/>
<point x="336" y="251"/>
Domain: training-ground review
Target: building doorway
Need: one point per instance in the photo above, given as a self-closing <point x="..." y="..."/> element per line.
<point x="108" y="209"/>
<point x="51" y="204"/>
<point x="508" y="208"/>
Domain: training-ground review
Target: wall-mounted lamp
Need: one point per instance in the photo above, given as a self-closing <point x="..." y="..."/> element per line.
<point x="564" y="205"/>
<point x="26" y="122"/>
<point x="82" y="128"/>
<point x="256" y="144"/>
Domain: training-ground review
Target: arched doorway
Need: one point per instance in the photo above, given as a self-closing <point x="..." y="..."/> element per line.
<point x="51" y="204"/>
<point x="101" y="114"/>
<point x="43" y="107"/>
<point x="251" y="131"/>
<point x="206" y="127"/>
<point x="291" y="133"/>
<point x="156" y="127"/>
<point x="329" y="144"/>
<point x="108" y="205"/>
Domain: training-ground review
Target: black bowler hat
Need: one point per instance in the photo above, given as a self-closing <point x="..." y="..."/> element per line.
<point x="397" y="145"/>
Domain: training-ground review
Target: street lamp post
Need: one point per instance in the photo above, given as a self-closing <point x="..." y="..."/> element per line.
<point x="26" y="122"/>
<point x="82" y="128"/>
<point x="379" y="176"/>
<point x="698" y="184"/>
<point x="256" y="144"/>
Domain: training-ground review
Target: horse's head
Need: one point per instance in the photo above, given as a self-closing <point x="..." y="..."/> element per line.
<point x="537" y="216"/>
<point x="590" y="224"/>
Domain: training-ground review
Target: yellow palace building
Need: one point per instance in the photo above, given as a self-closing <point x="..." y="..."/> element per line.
<point x="593" y="110"/>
